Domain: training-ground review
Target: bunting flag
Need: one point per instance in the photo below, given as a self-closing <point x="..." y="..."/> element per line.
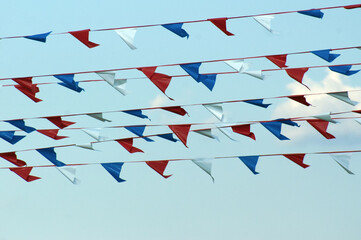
<point x="343" y="160"/>
<point x="83" y="36"/>
<point x="117" y="84"/>
<point x="114" y="169"/>
<point x="288" y="122"/>
<point x="221" y="23"/>
<point x="139" y="130"/>
<point x="57" y="121"/>
<point x="205" y="164"/>
<point x="52" y="133"/>
<point x="207" y="133"/>
<point x="223" y="128"/>
<point x="24" y="173"/>
<point x="239" y="65"/>
<point x="301" y="99"/>
<point x="88" y="146"/>
<point x="326" y="55"/>
<point x="313" y="13"/>
<point x="98" y="116"/>
<point x="168" y="136"/>
<point x="13" y="158"/>
<point x="128" y="36"/>
<point x="257" y="74"/>
<point x="177" y="29"/>
<point x="137" y="113"/>
<point x="297" y="74"/>
<point x="275" y="128"/>
<point x="279" y="60"/>
<point x="352" y="6"/>
<point x="159" y="167"/>
<point x="297" y="158"/>
<point x="21" y="125"/>
<point x="39" y="37"/>
<point x="265" y="21"/>
<point x="27" y="87"/>
<point x="258" y="102"/>
<point x="245" y="130"/>
<point x="10" y="137"/>
<point x="68" y="82"/>
<point x="177" y="110"/>
<point x="160" y="80"/>
<point x="50" y="154"/>
<point x="181" y="131"/>
<point x="94" y="133"/>
<point x="209" y="80"/>
<point x="127" y="143"/>
<point x="343" y="96"/>
<point x="321" y="127"/>
<point x="216" y="109"/>
<point x="250" y="162"/>
<point x="345" y="70"/>
<point x="325" y="117"/>
<point x="69" y="173"/>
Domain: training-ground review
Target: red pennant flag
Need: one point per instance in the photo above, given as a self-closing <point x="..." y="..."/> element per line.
<point x="321" y="127"/>
<point x="244" y="130"/>
<point x="28" y="93"/>
<point x="27" y="87"/>
<point x="181" y="131"/>
<point x="297" y="73"/>
<point x="11" y="157"/>
<point x="297" y="158"/>
<point x="83" y="36"/>
<point x="176" y="110"/>
<point x="24" y="173"/>
<point x="357" y="111"/>
<point x="52" y="133"/>
<point x="59" y="122"/>
<point x="128" y="145"/>
<point x="159" y="167"/>
<point x="301" y="99"/>
<point x="221" y="24"/>
<point x="160" y="80"/>
<point x="279" y="60"/>
<point x="353" y="6"/>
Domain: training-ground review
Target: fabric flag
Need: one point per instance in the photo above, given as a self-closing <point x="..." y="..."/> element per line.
<point x="88" y="146"/>
<point x="297" y="74"/>
<point x="265" y="21"/>
<point x="239" y="65"/>
<point x="137" y="113"/>
<point x="279" y="60"/>
<point x="207" y="133"/>
<point x="221" y="23"/>
<point x="161" y="81"/>
<point x="205" y="164"/>
<point x="139" y="130"/>
<point x="50" y="154"/>
<point x="325" y="117"/>
<point x="216" y="109"/>
<point x="345" y="70"/>
<point x="257" y="74"/>
<point x="321" y="127"/>
<point x="98" y="116"/>
<point x="343" y="96"/>
<point x="127" y="143"/>
<point x="209" y="80"/>
<point x="10" y="137"/>
<point x="159" y="167"/>
<point x="275" y="128"/>
<point x="117" y="84"/>
<point x="250" y="162"/>
<point x="258" y="102"/>
<point x="297" y="158"/>
<point x="68" y="82"/>
<point x="301" y="99"/>
<point x="128" y="35"/>
<point x="83" y="36"/>
<point x="94" y="133"/>
<point x="343" y="160"/>
<point x="168" y="136"/>
<point x="313" y="13"/>
<point x="52" y="133"/>
<point x="21" y="125"/>
<point x="326" y="55"/>
<point x="39" y="37"/>
<point x="69" y="173"/>
<point x="177" y="110"/>
<point x="27" y="87"/>
<point x="114" y="169"/>
<point x="353" y="6"/>
<point x="13" y="158"/>
<point x="177" y="29"/>
<point x="288" y="122"/>
<point x="244" y="129"/>
<point x="24" y="173"/>
<point x="181" y="131"/>
<point x="57" y="121"/>
<point x="223" y="128"/>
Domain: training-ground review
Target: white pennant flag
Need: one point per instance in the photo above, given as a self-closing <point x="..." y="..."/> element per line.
<point x="94" y="133"/>
<point x="226" y="131"/>
<point x="118" y="84"/>
<point x="343" y="160"/>
<point x="207" y="133"/>
<point x="98" y="116"/>
<point x="216" y="109"/>
<point x="265" y="21"/>
<point x="343" y="96"/>
<point x="69" y="173"/>
<point x="257" y="74"/>
<point x="205" y="164"/>
<point x="128" y="35"/>
<point x="358" y="121"/>
<point x="88" y="146"/>
<point x="326" y="117"/>
<point x="238" y="65"/>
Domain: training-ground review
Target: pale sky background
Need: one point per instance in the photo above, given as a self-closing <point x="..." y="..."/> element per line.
<point x="283" y="202"/>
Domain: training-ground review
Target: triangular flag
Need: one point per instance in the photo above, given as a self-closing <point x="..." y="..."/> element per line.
<point x="208" y="80"/>
<point x="27" y="87"/>
<point x="223" y="128"/>
<point x="128" y="35"/>
<point x="94" y="133"/>
<point x="313" y="13"/>
<point x="168" y="136"/>
<point x="88" y="146"/>
<point x="244" y="129"/>
<point x="139" y="130"/>
<point x="207" y="133"/>
<point x="297" y="73"/>
<point x="160" y="80"/>
<point x="57" y="121"/>
<point x="250" y="162"/>
<point x="50" y="154"/>
<point x="205" y="164"/>
<point x="83" y="36"/>
<point x="275" y="128"/>
<point x="192" y="69"/>
<point x="344" y="69"/>
<point x="181" y="131"/>
<point x="221" y="24"/>
<point x="127" y="143"/>
<point x="321" y="127"/>
<point x="297" y="158"/>
<point x="343" y="96"/>
<point x="325" y="117"/>
<point x="39" y="37"/>
<point x="118" y="84"/>
<point x="239" y="65"/>
<point x="137" y="113"/>
<point x="28" y="93"/>
<point x="98" y="116"/>
<point x="12" y="157"/>
<point x="21" y="125"/>
<point x="326" y="55"/>
<point x="216" y="109"/>
<point x="288" y="122"/>
<point x="69" y="173"/>
<point x="68" y="82"/>
<point x="257" y="74"/>
<point x="279" y="60"/>
<point x="114" y="169"/>
<point x="159" y="167"/>
<point x="258" y="102"/>
<point x="10" y="137"/>
<point x="343" y="160"/>
<point x="177" y="29"/>
<point x="24" y="173"/>
<point x="52" y="133"/>
<point x="265" y="21"/>
<point x="177" y="110"/>
<point x="300" y="98"/>
<point x="352" y="6"/>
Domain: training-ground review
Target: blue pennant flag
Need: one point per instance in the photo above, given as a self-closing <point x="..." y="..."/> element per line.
<point x="139" y="130"/>
<point x="275" y="129"/>
<point x="137" y="113"/>
<point x="114" y="169"/>
<point x="10" y="136"/>
<point x="192" y="69"/>
<point x="258" y="102"/>
<point x="288" y="122"/>
<point x="250" y="162"/>
<point x="50" y="154"/>
<point x="177" y="29"/>
<point x="313" y="13"/>
<point x="326" y="55"/>
<point x="168" y="136"/>
<point x="21" y="125"/>
<point x="68" y="82"/>
<point x="39" y="37"/>
<point x="209" y="80"/>
<point x="345" y="70"/>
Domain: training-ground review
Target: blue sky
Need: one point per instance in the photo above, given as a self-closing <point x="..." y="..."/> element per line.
<point x="283" y="202"/>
